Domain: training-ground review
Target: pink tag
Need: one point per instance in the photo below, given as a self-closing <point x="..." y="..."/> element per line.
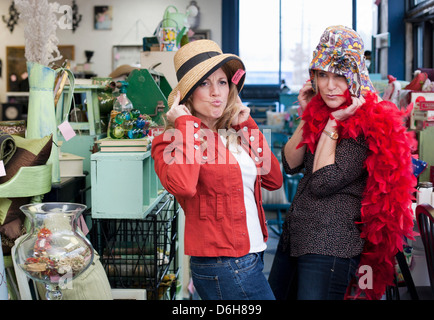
<point x="2" y="169"/>
<point x="66" y="130"/>
<point x="82" y="224"/>
<point x="237" y="76"/>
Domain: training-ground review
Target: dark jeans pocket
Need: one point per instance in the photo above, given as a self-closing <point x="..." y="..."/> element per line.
<point x="207" y="285"/>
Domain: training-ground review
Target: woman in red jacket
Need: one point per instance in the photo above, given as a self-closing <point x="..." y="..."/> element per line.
<point x="213" y="158"/>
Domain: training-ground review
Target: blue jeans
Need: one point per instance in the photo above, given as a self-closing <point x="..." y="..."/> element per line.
<point x="228" y="278"/>
<point x="311" y="276"/>
<point x="324" y="277"/>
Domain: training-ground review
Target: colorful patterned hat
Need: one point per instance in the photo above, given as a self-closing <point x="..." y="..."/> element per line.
<point x="341" y="51"/>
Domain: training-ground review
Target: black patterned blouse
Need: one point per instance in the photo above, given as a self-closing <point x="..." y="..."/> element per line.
<point x="327" y="205"/>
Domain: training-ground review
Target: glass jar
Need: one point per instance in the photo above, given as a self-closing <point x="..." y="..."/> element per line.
<point x="54" y="252"/>
<point x="424" y="192"/>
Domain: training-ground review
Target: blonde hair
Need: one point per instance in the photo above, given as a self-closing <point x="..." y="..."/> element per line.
<point x="315" y="81"/>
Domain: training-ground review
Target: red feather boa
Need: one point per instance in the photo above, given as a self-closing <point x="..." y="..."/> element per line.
<point x="386" y="216"/>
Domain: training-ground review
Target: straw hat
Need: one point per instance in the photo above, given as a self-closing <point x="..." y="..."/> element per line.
<point x="123" y="70"/>
<point x="196" y="60"/>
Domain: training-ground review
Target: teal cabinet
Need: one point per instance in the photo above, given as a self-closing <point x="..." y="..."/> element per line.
<point x="124" y="185"/>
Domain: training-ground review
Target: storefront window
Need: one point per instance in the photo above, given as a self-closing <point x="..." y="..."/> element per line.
<point x="277" y="37"/>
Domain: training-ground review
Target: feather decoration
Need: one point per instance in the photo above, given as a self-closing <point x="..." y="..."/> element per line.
<point x="386" y="215"/>
<point x="40" y="30"/>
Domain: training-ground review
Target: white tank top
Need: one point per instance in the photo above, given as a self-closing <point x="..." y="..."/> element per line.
<point x="248" y="172"/>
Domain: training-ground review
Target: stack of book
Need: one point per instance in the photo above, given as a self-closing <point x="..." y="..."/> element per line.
<point x="124" y="145"/>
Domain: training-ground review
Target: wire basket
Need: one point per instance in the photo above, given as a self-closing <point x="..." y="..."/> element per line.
<point x="141" y="253"/>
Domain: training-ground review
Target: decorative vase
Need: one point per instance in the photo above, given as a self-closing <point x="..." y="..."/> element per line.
<point x="54" y="252"/>
<point x="41" y="116"/>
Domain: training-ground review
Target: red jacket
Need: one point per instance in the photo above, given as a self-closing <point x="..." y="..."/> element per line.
<point x="208" y="184"/>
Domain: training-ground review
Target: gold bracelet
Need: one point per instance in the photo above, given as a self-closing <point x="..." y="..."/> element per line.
<point x="333" y="135"/>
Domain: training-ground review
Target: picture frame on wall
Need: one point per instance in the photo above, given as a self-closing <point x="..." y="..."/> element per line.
<point x="201" y="34"/>
<point x="103" y="17"/>
<point x="16" y="68"/>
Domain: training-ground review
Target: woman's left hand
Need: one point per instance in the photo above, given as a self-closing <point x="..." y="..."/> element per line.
<point x="243" y="114"/>
<point x="343" y="114"/>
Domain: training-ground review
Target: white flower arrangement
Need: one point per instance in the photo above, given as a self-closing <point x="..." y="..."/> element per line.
<point x="40" y="30"/>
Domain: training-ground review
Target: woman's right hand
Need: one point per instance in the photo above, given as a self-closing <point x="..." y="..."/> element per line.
<point x="305" y="94"/>
<point x="343" y="114"/>
<point x="177" y="110"/>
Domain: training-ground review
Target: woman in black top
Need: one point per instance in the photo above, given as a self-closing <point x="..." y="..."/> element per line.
<point x="341" y="147"/>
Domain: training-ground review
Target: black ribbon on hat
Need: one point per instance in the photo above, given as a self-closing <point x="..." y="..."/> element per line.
<point x="193" y="61"/>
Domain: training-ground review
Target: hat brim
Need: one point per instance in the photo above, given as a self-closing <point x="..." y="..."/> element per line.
<point x="194" y="77"/>
<point x="122" y="70"/>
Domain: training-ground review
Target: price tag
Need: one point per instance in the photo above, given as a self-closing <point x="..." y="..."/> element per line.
<point x="237" y="76"/>
<point x="66" y="130"/>
<point x="2" y="169"/>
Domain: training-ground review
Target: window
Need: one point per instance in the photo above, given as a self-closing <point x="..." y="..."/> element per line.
<point x="420" y="15"/>
<point x="416" y="2"/>
<point x="259" y="40"/>
<point x="277" y="37"/>
<point x="418" y="53"/>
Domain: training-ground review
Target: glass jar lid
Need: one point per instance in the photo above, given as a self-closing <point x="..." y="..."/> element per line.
<point x="425" y="184"/>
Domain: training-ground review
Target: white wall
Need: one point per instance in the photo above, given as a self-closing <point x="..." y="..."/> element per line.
<point x="132" y="20"/>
